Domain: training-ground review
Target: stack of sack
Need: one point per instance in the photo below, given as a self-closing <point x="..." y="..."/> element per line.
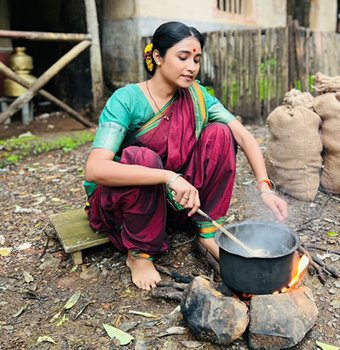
<point x="304" y="148"/>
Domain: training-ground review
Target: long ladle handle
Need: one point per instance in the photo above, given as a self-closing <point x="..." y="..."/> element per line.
<point x="227" y="233"/>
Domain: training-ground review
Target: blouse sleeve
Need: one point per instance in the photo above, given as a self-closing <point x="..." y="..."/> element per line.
<point x="114" y="121"/>
<point x="216" y="111"/>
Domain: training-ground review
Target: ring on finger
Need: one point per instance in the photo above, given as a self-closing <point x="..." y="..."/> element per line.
<point x="185" y="197"/>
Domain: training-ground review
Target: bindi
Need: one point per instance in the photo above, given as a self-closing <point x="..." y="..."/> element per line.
<point x="194" y="50"/>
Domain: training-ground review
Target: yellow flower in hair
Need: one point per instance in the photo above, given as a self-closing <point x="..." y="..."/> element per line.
<point x="148" y="57"/>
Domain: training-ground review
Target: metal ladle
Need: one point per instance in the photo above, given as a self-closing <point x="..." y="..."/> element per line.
<point x="261" y="253"/>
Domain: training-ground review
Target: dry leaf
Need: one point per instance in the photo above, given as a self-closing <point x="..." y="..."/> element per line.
<point x="5" y="251"/>
<point x="28" y="278"/>
<point x="145" y="314"/>
<point x="73" y="300"/>
<point x="46" y="338"/>
<point x="325" y="346"/>
<point x="113" y="332"/>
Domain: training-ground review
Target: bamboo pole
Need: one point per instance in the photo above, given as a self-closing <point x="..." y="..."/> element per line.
<point x="74" y="114"/>
<point x="44" y="36"/>
<point x="43" y="79"/>
<point x="95" y="54"/>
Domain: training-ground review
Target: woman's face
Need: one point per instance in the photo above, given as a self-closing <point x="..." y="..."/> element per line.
<point x="181" y="63"/>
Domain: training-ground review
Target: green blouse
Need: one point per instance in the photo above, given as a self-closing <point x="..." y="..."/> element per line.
<point x="128" y="109"/>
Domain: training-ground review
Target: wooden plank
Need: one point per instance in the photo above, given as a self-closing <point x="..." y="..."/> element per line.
<point x="44" y="79"/>
<point x="11" y="75"/>
<point x="257" y="69"/>
<point x="44" y="36"/>
<point x="95" y="55"/>
<point x="74" y="232"/>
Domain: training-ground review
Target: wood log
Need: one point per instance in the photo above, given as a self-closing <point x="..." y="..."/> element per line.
<point x="43" y="79"/>
<point x="174" y="274"/>
<point x="317" y="268"/>
<point x="11" y="75"/>
<point x="44" y="36"/>
<point x="210" y="259"/>
<point x="96" y="58"/>
<point x="171" y="284"/>
<point x="167" y="293"/>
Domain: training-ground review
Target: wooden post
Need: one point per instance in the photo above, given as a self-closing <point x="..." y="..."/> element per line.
<point x="95" y="54"/>
<point x="43" y="79"/>
<point x="44" y="36"/>
<point x="11" y="75"/>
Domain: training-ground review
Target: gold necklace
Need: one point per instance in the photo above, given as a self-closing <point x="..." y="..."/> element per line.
<point x="147" y="86"/>
<point x="166" y="117"/>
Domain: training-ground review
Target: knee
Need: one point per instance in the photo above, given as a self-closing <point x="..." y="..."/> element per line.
<point x="218" y="131"/>
<point x="141" y="156"/>
<point x="219" y="135"/>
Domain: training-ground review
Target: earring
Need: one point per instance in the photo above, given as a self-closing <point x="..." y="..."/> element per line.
<point x="158" y="64"/>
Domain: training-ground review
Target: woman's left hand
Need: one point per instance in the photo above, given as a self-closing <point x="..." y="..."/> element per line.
<point x="276" y="204"/>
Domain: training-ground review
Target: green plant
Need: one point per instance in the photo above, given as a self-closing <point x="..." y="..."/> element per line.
<point x="15" y="149"/>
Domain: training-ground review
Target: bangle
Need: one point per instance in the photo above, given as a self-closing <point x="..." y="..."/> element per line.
<point x="266" y="192"/>
<point x="269" y="182"/>
<point x="168" y="184"/>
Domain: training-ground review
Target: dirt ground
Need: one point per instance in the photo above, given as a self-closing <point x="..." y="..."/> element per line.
<point x="37" y="277"/>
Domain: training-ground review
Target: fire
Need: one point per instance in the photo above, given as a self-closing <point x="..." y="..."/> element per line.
<point x="302" y="264"/>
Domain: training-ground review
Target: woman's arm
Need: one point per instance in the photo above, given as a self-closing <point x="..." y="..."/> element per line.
<point x="102" y="170"/>
<point x="250" y="147"/>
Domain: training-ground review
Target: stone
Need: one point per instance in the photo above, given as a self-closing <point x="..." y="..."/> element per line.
<point x="212" y="316"/>
<point x="280" y="321"/>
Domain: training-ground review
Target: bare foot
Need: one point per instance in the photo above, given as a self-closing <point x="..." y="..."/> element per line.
<point x="144" y="274"/>
<point x="211" y="246"/>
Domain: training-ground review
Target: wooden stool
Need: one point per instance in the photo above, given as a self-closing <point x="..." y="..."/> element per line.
<point x="75" y="234"/>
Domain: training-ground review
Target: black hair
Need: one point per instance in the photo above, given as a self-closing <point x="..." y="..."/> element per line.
<point x="169" y="34"/>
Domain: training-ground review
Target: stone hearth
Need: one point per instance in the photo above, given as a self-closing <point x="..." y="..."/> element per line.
<point x="274" y="321"/>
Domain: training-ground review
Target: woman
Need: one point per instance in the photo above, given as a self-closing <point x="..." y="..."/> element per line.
<point x="166" y="138"/>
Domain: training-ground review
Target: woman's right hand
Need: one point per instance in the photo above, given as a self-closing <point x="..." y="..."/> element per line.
<point x="185" y="194"/>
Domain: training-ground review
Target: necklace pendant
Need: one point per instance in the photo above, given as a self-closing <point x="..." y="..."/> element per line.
<point x="166" y="117"/>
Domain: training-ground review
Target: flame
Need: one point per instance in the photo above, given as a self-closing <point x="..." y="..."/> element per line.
<point x="303" y="263"/>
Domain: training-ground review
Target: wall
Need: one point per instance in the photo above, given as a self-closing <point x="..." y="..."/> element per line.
<point x="270" y="13"/>
<point x="124" y="22"/>
<point x="322" y="15"/>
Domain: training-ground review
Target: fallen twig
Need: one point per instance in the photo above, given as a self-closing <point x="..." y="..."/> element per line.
<point x="210" y="259"/>
<point x="167" y="293"/>
<point x="83" y="309"/>
<point x="45" y="247"/>
<point x="313" y="246"/>
<point x="335" y="198"/>
<point x="316" y="216"/>
<point x="175" y="285"/>
<point x="317" y="268"/>
<point x="332" y="271"/>
<point x="177" y="276"/>
<point x="183" y="243"/>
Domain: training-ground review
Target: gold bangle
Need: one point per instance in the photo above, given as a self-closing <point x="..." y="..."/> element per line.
<point x="269" y="182"/>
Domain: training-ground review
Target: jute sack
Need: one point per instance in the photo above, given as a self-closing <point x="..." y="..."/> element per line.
<point x="293" y="155"/>
<point x="328" y="108"/>
<point x="324" y="83"/>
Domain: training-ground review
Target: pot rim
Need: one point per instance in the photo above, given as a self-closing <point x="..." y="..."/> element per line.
<point x="219" y="234"/>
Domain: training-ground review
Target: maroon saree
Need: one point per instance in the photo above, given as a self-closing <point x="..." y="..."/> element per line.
<point x="178" y="138"/>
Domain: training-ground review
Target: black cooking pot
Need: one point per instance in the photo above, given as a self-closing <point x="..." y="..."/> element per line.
<point x="258" y="275"/>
